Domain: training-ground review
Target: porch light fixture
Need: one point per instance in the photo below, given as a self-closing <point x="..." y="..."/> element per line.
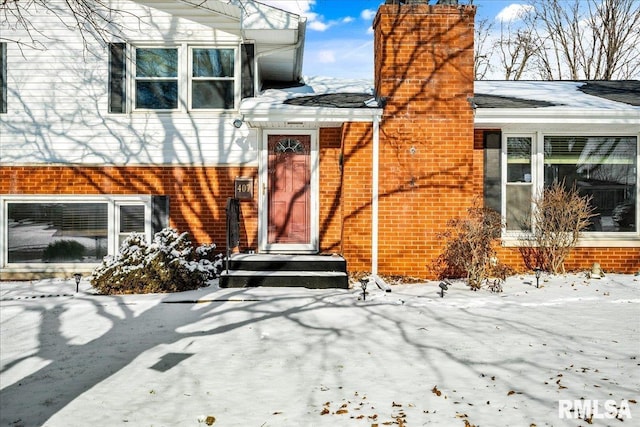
<point x="237" y="123"/>
<point x="77" y="277"/>
<point x="538" y="273"/>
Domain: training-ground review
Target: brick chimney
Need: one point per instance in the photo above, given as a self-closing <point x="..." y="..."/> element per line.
<point x="424" y="73"/>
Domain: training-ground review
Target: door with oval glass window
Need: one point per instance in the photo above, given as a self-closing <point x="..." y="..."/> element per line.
<point x="289" y="191"/>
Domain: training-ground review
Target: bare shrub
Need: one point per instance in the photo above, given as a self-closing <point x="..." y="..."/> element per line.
<point x="559" y="216"/>
<point x="470" y="245"/>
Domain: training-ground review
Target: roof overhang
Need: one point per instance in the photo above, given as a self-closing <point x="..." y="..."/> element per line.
<point x="623" y="120"/>
<point x="293" y="116"/>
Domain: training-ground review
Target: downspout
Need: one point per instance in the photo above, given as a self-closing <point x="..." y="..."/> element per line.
<point x="374" y="194"/>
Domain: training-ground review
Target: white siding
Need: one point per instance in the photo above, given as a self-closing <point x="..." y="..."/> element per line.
<point x="57" y="103"/>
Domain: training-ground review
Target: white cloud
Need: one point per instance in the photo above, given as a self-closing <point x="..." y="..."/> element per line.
<point x="368" y="14"/>
<point x="513" y="12"/>
<point x="317" y="25"/>
<point x="326" y="56"/>
<point x="341" y="58"/>
<point x="300" y="7"/>
<point x="304" y="8"/>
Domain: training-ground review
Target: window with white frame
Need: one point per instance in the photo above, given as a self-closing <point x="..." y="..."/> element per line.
<point x="69" y="229"/>
<point x="212" y="78"/>
<point x="603" y="168"/>
<point x="156" y="78"/>
<point x="206" y="78"/>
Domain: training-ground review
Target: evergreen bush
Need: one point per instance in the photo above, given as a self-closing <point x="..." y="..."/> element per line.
<point x="169" y="263"/>
<point x="63" y="250"/>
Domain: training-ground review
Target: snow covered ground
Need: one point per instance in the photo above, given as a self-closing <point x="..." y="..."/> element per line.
<point x="300" y="357"/>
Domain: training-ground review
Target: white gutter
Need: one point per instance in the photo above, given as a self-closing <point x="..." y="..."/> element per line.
<point x="556" y="115"/>
<point x="375" y="173"/>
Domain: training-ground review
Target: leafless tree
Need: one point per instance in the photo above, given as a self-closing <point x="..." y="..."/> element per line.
<point x="93" y="18"/>
<point x="564" y="39"/>
<point x="483" y="49"/>
<point x="587" y="39"/>
<point x="517" y="46"/>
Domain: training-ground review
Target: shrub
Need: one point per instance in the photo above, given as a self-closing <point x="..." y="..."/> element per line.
<point x="63" y="250"/>
<point x="168" y="264"/>
<point x="469" y="245"/>
<point x="559" y="216"/>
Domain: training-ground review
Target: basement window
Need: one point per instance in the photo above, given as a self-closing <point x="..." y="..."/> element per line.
<point x="59" y="230"/>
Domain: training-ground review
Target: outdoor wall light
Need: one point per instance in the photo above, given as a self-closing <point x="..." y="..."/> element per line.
<point x="237" y="123"/>
<point x="538" y="273"/>
<point x="77" y="276"/>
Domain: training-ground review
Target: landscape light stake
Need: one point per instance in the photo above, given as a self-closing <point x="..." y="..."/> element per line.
<point x="363" y="284"/>
<point x="77" y="276"/>
<point x="443" y="287"/>
<point x="538" y="272"/>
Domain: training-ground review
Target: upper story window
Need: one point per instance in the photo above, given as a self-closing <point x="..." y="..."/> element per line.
<point x="179" y="77"/>
<point x="205" y="78"/>
<point x="156" y="85"/>
<point x="212" y="78"/>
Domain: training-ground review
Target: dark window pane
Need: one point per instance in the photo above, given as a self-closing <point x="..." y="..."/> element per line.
<point x="156" y="62"/>
<point x="57" y="232"/>
<point x="492" y="171"/>
<point x="518" y="159"/>
<point x="161" y="95"/>
<point x="132" y="219"/>
<point x="603" y="168"/>
<point x="213" y="94"/>
<point x="213" y="62"/>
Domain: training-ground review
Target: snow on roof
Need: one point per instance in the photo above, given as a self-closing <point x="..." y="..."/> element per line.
<point x="316" y="92"/>
<point x="328" y="92"/>
<point x="558" y="94"/>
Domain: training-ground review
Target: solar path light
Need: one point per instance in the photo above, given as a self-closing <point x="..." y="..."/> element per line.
<point x="538" y="272"/>
<point x="77" y="276"/>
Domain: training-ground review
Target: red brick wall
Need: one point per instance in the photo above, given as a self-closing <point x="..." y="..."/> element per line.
<point x="357" y="196"/>
<point x="197" y="195"/>
<point x="424" y="70"/>
<point x="611" y="259"/>
<point x="330" y="190"/>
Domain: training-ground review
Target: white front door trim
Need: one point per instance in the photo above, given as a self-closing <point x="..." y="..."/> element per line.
<point x="263" y="194"/>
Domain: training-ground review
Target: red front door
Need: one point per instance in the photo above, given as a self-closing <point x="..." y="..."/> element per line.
<point x="289" y="189"/>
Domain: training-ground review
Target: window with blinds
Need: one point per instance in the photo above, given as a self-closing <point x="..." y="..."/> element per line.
<point x="602" y="168"/>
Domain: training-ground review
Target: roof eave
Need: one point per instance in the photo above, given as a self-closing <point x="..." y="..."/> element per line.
<point x="487" y="116"/>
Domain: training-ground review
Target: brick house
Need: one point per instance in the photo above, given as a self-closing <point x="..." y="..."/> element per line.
<point x="194" y="104"/>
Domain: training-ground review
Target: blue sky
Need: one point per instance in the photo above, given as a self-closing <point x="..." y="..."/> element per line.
<point x="339" y="40"/>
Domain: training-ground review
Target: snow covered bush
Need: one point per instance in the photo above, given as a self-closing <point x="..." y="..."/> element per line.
<point x="469" y="246"/>
<point x="168" y="264"/>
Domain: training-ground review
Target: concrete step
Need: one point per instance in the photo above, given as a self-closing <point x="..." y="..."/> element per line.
<point x="270" y="278"/>
<point x="277" y="262"/>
